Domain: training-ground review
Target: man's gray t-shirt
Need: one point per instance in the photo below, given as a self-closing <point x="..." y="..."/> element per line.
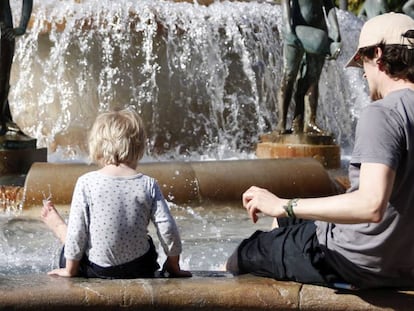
<point x="382" y="253"/>
<point x="110" y="215"/>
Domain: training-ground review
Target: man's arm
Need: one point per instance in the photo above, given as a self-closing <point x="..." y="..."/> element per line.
<point x="367" y="204"/>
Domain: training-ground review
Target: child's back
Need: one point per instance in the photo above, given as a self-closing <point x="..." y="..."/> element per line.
<point x="111" y="209"/>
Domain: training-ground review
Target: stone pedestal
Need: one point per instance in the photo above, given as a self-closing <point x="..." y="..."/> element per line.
<point x="17" y="153"/>
<point x="319" y="147"/>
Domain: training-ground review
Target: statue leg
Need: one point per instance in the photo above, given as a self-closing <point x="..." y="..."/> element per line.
<point x="301" y="88"/>
<point x="316" y="63"/>
<point x="292" y="56"/>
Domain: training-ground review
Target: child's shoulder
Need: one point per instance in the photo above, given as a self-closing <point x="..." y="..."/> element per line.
<point x="146" y="178"/>
<point x="91" y="174"/>
<point x="97" y="175"/>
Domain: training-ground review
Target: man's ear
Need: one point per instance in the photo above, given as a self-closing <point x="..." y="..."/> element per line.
<point x="378" y="52"/>
<point x="378" y="55"/>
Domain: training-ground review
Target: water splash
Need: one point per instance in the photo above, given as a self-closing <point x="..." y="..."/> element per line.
<point x="26" y="246"/>
<point x="204" y="78"/>
<point x="11" y="200"/>
<point x="209" y="235"/>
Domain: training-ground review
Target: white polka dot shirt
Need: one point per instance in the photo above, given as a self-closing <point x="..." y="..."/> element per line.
<point x="109" y="217"/>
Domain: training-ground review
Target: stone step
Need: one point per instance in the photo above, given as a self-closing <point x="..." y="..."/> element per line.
<point x="204" y="291"/>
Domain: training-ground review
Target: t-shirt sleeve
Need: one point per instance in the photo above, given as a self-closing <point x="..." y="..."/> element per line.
<point x="378" y="137"/>
<point x="77" y="234"/>
<point x="165" y="225"/>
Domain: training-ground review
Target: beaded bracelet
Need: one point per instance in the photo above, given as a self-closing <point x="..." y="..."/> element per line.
<point x="289" y="207"/>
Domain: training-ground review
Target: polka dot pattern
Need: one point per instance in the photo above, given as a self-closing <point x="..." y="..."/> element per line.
<point x="110" y="215"/>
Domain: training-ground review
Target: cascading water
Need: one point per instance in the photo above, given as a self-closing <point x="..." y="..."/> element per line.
<point x="205" y="78"/>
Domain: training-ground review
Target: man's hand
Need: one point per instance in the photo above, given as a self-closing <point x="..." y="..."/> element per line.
<point x="258" y="200"/>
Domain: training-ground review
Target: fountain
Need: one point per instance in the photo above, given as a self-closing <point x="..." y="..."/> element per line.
<point x="205" y="80"/>
<point x="215" y="69"/>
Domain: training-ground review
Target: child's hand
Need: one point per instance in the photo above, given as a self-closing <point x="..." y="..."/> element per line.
<point x="60" y="272"/>
<point x="47" y="207"/>
<point x="172" y="266"/>
<point x="71" y="269"/>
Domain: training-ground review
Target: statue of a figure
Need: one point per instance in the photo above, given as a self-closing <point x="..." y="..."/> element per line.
<point x="311" y="34"/>
<point x="8" y="35"/>
<point x="408" y="8"/>
<point x="372" y="8"/>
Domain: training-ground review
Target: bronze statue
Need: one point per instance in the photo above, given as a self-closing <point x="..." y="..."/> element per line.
<point x="372" y="8"/>
<point x="408" y="8"/>
<point x="311" y="34"/>
<point x="8" y="35"/>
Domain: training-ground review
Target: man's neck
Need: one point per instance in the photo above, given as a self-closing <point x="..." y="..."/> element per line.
<point x="396" y="85"/>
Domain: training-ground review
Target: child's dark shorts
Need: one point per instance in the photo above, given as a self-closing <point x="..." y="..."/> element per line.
<point x="290" y="252"/>
<point x="142" y="267"/>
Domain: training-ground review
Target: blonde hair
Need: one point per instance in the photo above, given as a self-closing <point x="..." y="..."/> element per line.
<point x="117" y="137"/>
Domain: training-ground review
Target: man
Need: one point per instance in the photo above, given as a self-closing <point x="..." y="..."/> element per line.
<point x="363" y="237"/>
<point x="8" y="34"/>
<point x="310" y="33"/>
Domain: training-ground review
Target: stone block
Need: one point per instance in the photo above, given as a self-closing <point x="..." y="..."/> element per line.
<point x="19" y="161"/>
<point x="319" y="147"/>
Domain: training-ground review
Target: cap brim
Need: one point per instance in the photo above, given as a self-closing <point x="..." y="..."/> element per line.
<point x="352" y="62"/>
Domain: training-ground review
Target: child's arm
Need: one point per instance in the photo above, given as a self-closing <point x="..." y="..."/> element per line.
<point x="168" y="235"/>
<point x="172" y="266"/>
<point x="71" y="269"/>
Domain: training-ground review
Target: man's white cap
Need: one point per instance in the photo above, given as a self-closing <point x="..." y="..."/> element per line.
<point x="387" y="28"/>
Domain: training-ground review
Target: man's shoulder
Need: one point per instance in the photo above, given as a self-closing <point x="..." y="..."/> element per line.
<point x="398" y="97"/>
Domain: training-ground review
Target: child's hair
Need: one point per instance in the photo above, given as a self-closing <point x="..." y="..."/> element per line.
<point x="117" y="137"/>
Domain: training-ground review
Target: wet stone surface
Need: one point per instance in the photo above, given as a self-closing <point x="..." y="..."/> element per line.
<point x="211" y="290"/>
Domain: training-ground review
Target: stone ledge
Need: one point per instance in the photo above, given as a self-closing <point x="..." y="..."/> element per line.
<point x="328" y="155"/>
<point x="204" y="291"/>
<point x="19" y="161"/>
<point x="196" y="181"/>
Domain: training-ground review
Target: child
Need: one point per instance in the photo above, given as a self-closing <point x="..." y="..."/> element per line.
<point x="106" y="236"/>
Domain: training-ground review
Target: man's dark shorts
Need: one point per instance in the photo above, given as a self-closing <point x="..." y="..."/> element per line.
<point x="290" y="252"/>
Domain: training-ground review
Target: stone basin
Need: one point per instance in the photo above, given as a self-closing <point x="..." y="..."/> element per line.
<point x="204" y="291"/>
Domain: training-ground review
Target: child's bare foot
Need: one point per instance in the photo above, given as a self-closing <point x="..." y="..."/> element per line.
<point x="53" y="220"/>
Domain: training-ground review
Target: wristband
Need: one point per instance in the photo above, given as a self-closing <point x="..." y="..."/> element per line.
<point x="289" y="207"/>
